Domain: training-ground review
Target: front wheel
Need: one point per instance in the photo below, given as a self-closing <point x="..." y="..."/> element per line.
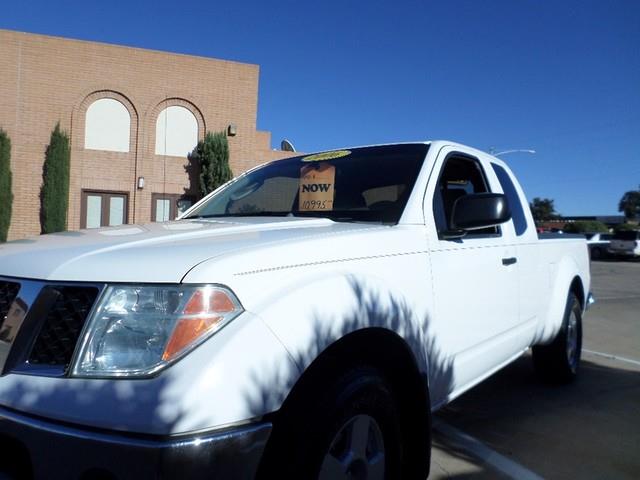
<point x="357" y="450"/>
<point x="349" y="430"/>
<point x="558" y="362"/>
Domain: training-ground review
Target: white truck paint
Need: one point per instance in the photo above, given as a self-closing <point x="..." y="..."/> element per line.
<point x="304" y="283"/>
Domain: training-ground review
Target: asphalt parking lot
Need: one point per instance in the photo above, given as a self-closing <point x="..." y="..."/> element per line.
<point x="514" y="426"/>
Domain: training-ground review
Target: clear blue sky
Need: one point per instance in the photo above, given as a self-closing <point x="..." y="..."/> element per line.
<point x="562" y="78"/>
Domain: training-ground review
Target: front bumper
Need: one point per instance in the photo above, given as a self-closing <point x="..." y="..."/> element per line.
<point x="36" y="448"/>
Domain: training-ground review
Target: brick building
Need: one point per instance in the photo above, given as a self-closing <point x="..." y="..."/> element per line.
<point x="131" y="115"/>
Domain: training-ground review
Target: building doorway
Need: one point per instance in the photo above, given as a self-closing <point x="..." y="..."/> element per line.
<point x="167" y="206"/>
<point x="103" y="209"/>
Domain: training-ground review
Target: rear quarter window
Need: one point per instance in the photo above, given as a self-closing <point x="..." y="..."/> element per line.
<point x="509" y="189"/>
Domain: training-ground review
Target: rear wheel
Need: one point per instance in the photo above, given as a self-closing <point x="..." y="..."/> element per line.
<point x="350" y="430"/>
<point x="558" y="362"/>
<point x="596" y="253"/>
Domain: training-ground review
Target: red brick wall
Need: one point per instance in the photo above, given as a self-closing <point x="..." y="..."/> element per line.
<point x="44" y="80"/>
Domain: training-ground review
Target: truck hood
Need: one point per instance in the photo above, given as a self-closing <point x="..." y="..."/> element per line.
<point x="157" y="252"/>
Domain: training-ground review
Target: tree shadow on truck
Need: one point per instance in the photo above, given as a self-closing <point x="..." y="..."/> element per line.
<point x="380" y="338"/>
<point x="374" y="312"/>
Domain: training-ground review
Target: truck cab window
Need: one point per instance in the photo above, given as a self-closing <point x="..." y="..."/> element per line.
<point x="509" y="189"/>
<point x="460" y="176"/>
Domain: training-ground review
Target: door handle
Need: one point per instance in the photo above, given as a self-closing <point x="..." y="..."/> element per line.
<point x="509" y="261"/>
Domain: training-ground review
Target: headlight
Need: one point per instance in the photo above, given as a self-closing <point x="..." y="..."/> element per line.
<point x="137" y="330"/>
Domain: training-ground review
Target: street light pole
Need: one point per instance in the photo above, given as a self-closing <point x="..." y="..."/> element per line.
<point x="514" y="150"/>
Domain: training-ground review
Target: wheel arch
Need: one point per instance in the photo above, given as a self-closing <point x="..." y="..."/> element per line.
<point x="387" y="352"/>
<point x="378" y="347"/>
<point x="565" y="278"/>
<point x="577" y="287"/>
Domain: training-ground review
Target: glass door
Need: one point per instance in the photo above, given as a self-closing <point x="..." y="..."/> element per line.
<point x="168" y="206"/>
<point x="103" y="209"/>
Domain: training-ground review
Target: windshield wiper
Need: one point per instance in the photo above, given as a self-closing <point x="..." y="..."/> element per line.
<point x="243" y="214"/>
<point x="352" y="216"/>
<point x="336" y="216"/>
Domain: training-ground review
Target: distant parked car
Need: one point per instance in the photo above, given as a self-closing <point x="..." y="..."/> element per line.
<point x="598" y="244"/>
<point x="625" y="243"/>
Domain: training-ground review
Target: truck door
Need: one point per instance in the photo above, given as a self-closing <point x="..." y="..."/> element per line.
<point x="532" y="272"/>
<point x="474" y="278"/>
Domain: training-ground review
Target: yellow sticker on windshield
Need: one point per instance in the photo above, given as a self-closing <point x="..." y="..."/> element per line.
<point x="318" y="157"/>
<point x="316" y="187"/>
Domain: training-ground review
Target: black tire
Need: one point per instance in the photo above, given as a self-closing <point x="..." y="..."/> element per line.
<point x="314" y="426"/>
<point x="596" y="253"/>
<point x="558" y="362"/>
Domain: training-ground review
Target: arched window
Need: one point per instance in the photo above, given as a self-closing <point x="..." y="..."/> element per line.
<point x="176" y="131"/>
<point x="107" y="126"/>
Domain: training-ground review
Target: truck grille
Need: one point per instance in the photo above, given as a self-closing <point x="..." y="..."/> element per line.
<point x="8" y="293"/>
<point x="61" y="329"/>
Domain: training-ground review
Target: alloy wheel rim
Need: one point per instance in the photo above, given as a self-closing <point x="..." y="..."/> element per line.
<point x="572" y="340"/>
<point x="356" y="451"/>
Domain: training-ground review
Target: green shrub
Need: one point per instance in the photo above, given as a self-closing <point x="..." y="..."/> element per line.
<point x="54" y="195"/>
<point x="583" y="226"/>
<point x="630" y="204"/>
<point x="6" y="196"/>
<point x="212" y="157"/>
<point x="543" y="210"/>
<point x="625" y="227"/>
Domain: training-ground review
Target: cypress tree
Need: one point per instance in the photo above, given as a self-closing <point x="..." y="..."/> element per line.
<point x="212" y="156"/>
<point x="55" y="186"/>
<point x="6" y="196"/>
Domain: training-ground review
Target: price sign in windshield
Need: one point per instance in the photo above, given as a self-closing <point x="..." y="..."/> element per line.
<point x="316" y="187"/>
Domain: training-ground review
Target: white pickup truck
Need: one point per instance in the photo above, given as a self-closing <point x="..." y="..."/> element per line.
<point x="302" y="321"/>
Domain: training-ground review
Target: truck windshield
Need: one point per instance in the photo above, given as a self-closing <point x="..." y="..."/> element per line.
<point x="370" y="184"/>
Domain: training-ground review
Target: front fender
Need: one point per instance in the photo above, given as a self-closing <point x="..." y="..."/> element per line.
<point x="313" y="310"/>
<point x="309" y="306"/>
<point x="316" y="310"/>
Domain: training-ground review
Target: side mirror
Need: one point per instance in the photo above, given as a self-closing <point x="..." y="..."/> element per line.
<point x="480" y="210"/>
